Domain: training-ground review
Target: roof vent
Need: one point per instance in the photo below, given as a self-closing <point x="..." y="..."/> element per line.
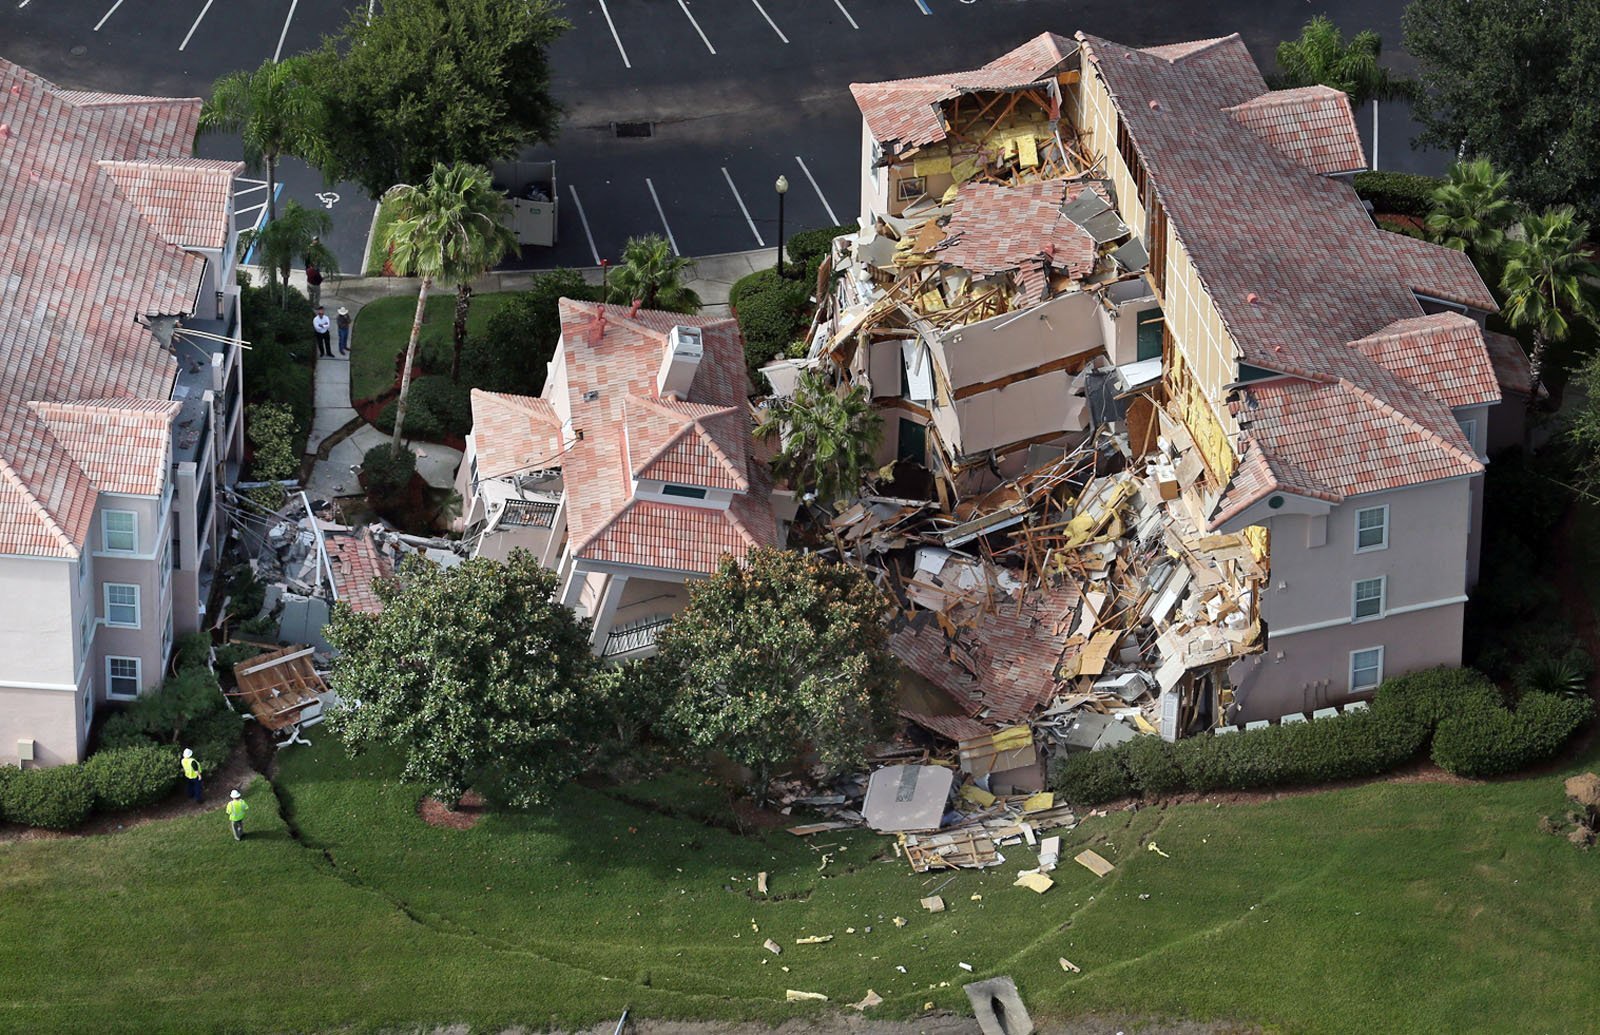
<point x="679" y="362"/>
<point x="591" y="395"/>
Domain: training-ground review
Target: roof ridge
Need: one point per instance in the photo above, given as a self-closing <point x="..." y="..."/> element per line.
<point x="1282" y="97"/>
<point x="11" y="476"/>
<point x="705" y="436"/>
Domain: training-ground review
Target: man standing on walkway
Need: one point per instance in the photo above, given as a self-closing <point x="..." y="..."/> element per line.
<point x="237" y="807"/>
<point x="191" y="773"/>
<point x="344" y="331"/>
<point x="313" y="282"/>
<point x="322" y="325"/>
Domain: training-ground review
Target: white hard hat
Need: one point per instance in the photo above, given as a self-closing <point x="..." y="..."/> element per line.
<point x="235" y="794"/>
<point x="187" y="753"/>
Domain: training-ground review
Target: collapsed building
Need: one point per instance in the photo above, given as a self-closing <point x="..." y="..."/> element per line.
<point x="1204" y="445"/>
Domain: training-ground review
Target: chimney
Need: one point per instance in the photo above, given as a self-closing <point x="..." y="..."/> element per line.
<point x="679" y="362"/>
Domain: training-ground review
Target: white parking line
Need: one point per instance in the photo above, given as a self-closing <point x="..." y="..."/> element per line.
<point x="108" y="14"/>
<point x="746" y="211"/>
<point x="585" y="221"/>
<point x="625" y="62"/>
<point x="196" y="24"/>
<point x="770" y="22"/>
<point x="697" y="27"/>
<point x="840" y="5"/>
<point x="814" y="187"/>
<point x="670" y="239"/>
<point x="24" y="3"/>
<point x="922" y="5"/>
<point x="284" y="34"/>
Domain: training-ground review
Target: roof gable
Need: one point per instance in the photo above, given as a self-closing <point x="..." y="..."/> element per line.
<point x="1312" y="126"/>
<point x="1442" y="354"/>
<point x="186" y="201"/>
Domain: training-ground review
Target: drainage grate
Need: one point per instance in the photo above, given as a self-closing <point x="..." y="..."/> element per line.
<point x="633" y="129"/>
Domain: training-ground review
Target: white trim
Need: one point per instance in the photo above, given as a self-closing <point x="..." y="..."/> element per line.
<point x="1392" y="612"/>
<point x="138" y="609"/>
<point x="1385" y="526"/>
<point x="138" y="677"/>
<point x="9" y="684"/>
<point x="1383" y="598"/>
<point x="1350" y="672"/>
<point x="106" y="532"/>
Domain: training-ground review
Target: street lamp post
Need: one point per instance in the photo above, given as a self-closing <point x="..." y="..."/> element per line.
<point x="782" y="187"/>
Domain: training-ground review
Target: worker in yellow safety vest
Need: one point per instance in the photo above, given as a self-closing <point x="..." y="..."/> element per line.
<point x="237" y="807"/>
<point x="191" y="773"/>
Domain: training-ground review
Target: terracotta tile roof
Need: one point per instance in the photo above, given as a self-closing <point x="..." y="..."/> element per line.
<point x="1310" y="125"/>
<point x="83" y="263"/>
<point x="905" y="112"/>
<point x="512" y="433"/>
<point x="123" y="445"/>
<point x="1000" y="670"/>
<point x="186" y="200"/>
<point x="995" y="228"/>
<point x="611" y="384"/>
<point x="1510" y="362"/>
<point x="951" y="727"/>
<point x="1179" y="51"/>
<point x="357" y="565"/>
<point x="1442" y="354"/>
<point x="1439" y="272"/>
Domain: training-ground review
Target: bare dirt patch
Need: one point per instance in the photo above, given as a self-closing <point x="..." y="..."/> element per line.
<point x="465" y="816"/>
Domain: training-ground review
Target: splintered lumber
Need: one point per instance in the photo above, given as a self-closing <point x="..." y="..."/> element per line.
<point x="1035" y="882"/>
<point x="793" y="996"/>
<point x="817" y="828"/>
<point x="966" y="847"/>
<point x="1094" y="862"/>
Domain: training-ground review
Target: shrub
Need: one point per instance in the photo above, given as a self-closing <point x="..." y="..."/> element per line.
<point x="772" y="315"/>
<point x="247" y="595"/>
<point x="1491" y="741"/>
<point x="193" y="651"/>
<point x="164" y="715"/>
<point x="1400" y="226"/>
<point x="387" y="472"/>
<point x="132" y="777"/>
<point x="761" y="281"/>
<point x="1404" y="194"/>
<point x="57" y="799"/>
<point x="808" y="247"/>
<point x="438" y="409"/>
<point x="1561" y="674"/>
<point x="230" y="654"/>
<point x="1152" y="764"/>
<point x="521" y="336"/>
<point x="213" y="737"/>
<point x="1091" y="777"/>
<point x="435" y="354"/>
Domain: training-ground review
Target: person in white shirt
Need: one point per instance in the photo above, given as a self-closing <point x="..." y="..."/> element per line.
<point x="322" y="325"/>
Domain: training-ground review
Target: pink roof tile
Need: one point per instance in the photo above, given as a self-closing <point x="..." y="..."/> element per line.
<point x="186" y="200"/>
<point x="357" y="567"/>
<point x="1439" y="272"/>
<point x="512" y="433"/>
<point x="1311" y="125"/>
<point x="994" y="228"/>
<point x="687" y="443"/>
<point x="123" y="445"/>
<point x="84" y="263"/>
<point x="1443" y="354"/>
<point x="1510" y="362"/>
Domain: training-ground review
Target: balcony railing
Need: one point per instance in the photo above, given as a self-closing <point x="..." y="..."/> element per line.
<point x="625" y="639"/>
<point x="530" y="513"/>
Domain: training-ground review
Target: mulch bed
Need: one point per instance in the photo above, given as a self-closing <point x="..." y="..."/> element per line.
<point x="465" y="816"/>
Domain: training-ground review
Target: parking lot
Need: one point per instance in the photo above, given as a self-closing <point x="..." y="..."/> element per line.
<point x="723" y="96"/>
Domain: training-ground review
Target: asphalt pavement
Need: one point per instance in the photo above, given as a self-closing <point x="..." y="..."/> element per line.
<point x="731" y="94"/>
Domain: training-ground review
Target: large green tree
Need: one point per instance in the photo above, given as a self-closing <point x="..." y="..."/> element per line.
<point x="521" y="337"/>
<point x="1321" y="56"/>
<point x="475" y="674"/>
<point x="653" y="276"/>
<point x="1516" y="82"/>
<point x="276" y="110"/>
<point x="1471" y="213"/>
<point x="827" y="434"/>
<point x="428" y="81"/>
<point x="779" y="654"/>
<point x="1543" y="283"/>
<point x="297" y="234"/>
<point x="439" y="232"/>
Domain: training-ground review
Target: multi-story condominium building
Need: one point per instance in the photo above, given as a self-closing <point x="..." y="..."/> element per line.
<point x="120" y="399"/>
<point x="1335" y="378"/>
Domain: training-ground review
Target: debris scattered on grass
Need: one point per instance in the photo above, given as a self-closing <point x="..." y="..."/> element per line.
<point x="1068" y="965"/>
<point x="933" y="904"/>
<point x="1152" y="847"/>
<point x="794" y="996"/>
<point x="868" y="1002"/>
<point x="772" y="947"/>
<point x="1094" y="862"/>
<point x="1033" y="880"/>
<point x="761" y="882"/>
<point x="816" y="939"/>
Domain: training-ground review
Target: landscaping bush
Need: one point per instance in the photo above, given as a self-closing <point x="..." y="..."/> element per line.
<point x="1492" y="741"/>
<point x="59" y="798"/>
<point x="1400" y="226"/>
<point x="809" y="247"/>
<point x="439" y="408"/>
<point x="1404" y="194"/>
<point x="386" y="472"/>
<point x="230" y="654"/>
<point x="132" y="777"/>
<point x="1152" y="765"/>
<point x="213" y="737"/>
<point x="247" y="595"/>
<point x="277" y="366"/>
<point x="165" y="714"/>
<point x="193" y="651"/>
<point x="1091" y="777"/>
<point x="521" y="337"/>
<point x="772" y="314"/>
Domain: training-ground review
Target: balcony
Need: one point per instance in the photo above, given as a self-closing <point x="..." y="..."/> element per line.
<point x="634" y="637"/>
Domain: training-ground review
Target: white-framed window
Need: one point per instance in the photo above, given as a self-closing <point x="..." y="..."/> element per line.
<point x="122" y="678"/>
<point x="1366" y="669"/>
<point x="1372" y="528"/>
<point x="166" y="567"/>
<point x="688" y="492"/>
<point x="119" y="531"/>
<point x="1367" y="599"/>
<point x="88" y="710"/>
<point x="1469" y="428"/>
<point x="122" y="605"/>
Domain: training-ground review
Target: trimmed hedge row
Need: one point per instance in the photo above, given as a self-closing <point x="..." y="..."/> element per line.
<point x="1402" y="194"/>
<point x="1471" y="730"/>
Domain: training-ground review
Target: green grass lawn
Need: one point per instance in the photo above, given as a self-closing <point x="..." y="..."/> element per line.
<point x="383" y="327"/>
<point x="1392" y="907"/>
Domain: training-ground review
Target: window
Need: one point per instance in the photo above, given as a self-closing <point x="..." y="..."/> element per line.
<point x="688" y="492"/>
<point x="1372" y="529"/>
<point x="122" y="678"/>
<point x="1366" y="669"/>
<point x="166" y="568"/>
<point x="88" y="710"/>
<point x="122" y="605"/>
<point x="120" y="531"/>
<point x="1469" y="428"/>
<point x="1368" y="596"/>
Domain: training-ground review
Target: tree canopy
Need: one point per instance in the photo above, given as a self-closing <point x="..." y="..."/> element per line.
<point x="1516" y="82"/>
<point x="1544" y="283"/>
<point x="429" y="81"/>
<point x="653" y="275"/>
<point x="779" y="653"/>
<point x="275" y="109"/>
<point x="1471" y="212"/>
<point x="1321" y="56"/>
<point x="475" y="675"/>
<point x="828" y="437"/>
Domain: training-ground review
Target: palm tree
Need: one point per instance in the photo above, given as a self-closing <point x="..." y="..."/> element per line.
<point x="828" y="436"/>
<point x="441" y="231"/>
<point x="1543" y="283"/>
<point x="1322" y="57"/>
<point x="653" y="276"/>
<point x="484" y="250"/>
<point x="1471" y="212"/>
<point x="295" y="235"/>
<point x="274" y="112"/>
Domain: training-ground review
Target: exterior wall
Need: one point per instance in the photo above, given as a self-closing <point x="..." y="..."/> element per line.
<point x="46" y="668"/>
<point x="1507" y="423"/>
<point x="1311" y="670"/>
<point x="1015" y="413"/>
<point x="1120" y="332"/>
<point x="1008" y="344"/>
<point x="150" y="642"/>
<point x="52" y="719"/>
<point x="1097" y="129"/>
<point x="874" y="190"/>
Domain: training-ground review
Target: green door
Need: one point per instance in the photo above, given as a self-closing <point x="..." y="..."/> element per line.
<point x="913" y="442"/>
<point x="1149" y="334"/>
